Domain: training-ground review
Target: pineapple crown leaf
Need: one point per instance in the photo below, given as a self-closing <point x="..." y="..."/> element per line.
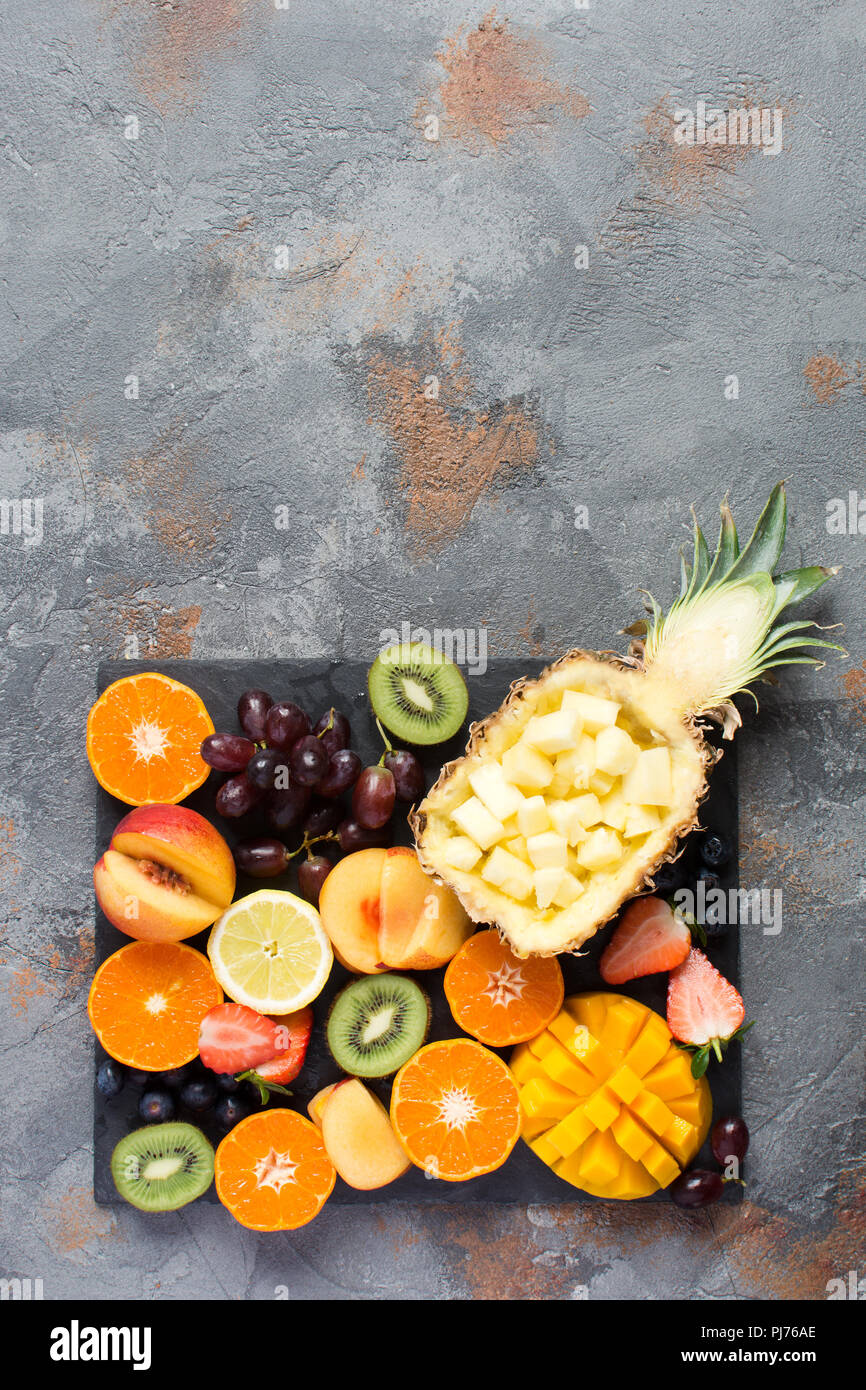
<point x="718" y="635"/>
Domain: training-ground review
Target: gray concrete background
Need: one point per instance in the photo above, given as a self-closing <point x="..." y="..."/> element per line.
<point x="301" y="384"/>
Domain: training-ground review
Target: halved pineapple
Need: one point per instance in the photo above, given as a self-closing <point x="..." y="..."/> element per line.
<point x="583" y="782"/>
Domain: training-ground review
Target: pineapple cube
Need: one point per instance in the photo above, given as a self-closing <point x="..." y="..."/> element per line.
<point x="500" y="797"/>
<point x="568" y="891"/>
<point x="615" y="811"/>
<point x="547" y="851"/>
<point x="517" y="847"/>
<point x="640" y="821"/>
<point x="648" y="783"/>
<point x="573" y="769"/>
<point x="526" y="767"/>
<point x="601" y="783"/>
<point x="600" y="849"/>
<point x="553" y="733"/>
<point x="595" y="712"/>
<point x="462" y="853"/>
<point x="587" y="808"/>
<point x="567" y="821"/>
<point x="476" y="821"/>
<point x="504" y="871"/>
<point x="615" y="752"/>
<point x="547" y="884"/>
<point x="532" y="816"/>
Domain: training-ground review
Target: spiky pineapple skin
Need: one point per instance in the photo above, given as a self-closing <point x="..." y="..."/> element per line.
<point x="525" y="930"/>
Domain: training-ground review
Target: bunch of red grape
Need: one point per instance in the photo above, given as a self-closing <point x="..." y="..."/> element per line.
<point x="297" y="771"/>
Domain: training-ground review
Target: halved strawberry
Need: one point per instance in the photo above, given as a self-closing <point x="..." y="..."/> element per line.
<point x="704" y="1009"/>
<point x="293" y="1037"/>
<point x="649" y="938"/>
<point x="233" y="1037"/>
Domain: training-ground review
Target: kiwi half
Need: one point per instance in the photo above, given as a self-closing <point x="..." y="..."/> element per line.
<point x="377" y="1023"/>
<point x="418" y="693"/>
<point x="162" y="1167"/>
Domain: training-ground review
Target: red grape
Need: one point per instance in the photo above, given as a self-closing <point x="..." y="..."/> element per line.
<point x="264" y="767"/>
<point x="287" y="805"/>
<point x="373" y="797"/>
<point x="322" y="819"/>
<point x="227" y="752"/>
<point x="333" y="730"/>
<point x="343" y="771"/>
<point x="252" y="710"/>
<point x="285" y="724"/>
<point x="354" y="836"/>
<point x="729" y="1139"/>
<point x="409" y="781"/>
<point x="697" y="1188"/>
<point x="237" y="796"/>
<point x="311" y="875"/>
<point x="308" y="760"/>
<point x="262" y="857"/>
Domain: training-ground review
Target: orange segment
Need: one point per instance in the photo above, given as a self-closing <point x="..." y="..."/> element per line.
<point x="143" y="739"/>
<point x="147" y="1002"/>
<point x="456" y="1110"/>
<point x="498" y="997"/>
<point x="272" y="1171"/>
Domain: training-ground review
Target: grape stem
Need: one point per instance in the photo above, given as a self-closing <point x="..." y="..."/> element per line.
<point x="308" y="842"/>
<point x="329" y="725"/>
<point x="389" y="748"/>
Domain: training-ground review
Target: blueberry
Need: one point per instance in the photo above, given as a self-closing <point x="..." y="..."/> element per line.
<point x="139" y="1078"/>
<point x="226" y="1083"/>
<point x="198" y="1095"/>
<point x="714" y="850"/>
<point x="708" y="878"/>
<point x="667" y="879"/>
<point x="110" y="1078"/>
<point x="156" y="1107"/>
<point x="178" y="1077"/>
<point x="229" y="1110"/>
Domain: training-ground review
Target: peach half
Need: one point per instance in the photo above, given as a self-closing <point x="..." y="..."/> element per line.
<point x="357" y="1133"/>
<point x="167" y="874"/>
<point x="421" y="923"/>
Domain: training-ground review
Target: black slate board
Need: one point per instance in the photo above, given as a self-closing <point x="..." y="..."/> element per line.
<point x="316" y="685"/>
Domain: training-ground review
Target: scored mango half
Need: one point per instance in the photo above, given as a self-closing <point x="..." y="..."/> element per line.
<point x="608" y="1099"/>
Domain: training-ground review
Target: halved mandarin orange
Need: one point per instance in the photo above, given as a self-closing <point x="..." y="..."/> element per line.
<point x="144" y="737"/>
<point x="455" y="1109"/>
<point x="499" y="998"/>
<point x="273" y="1172"/>
<point x="147" y="1002"/>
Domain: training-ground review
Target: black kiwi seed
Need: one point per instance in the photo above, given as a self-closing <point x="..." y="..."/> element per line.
<point x="418" y="693"/>
<point x="377" y="1023"/>
<point x="162" y="1167"/>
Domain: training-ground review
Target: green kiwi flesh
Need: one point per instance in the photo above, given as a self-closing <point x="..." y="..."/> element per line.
<point x="418" y="693"/>
<point x="162" y="1167"/>
<point x="377" y="1023"/>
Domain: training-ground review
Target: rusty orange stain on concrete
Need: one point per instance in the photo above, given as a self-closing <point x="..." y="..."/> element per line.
<point x="161" y="631"/>
<point x="827" y="376"/>
<point x="450" y="456"/>
<point x="682" y="174"/>
<point x="74" y="1222"/>
<point x="26" y="986"/>
<point x="176" y="38"/>
<point x="184" y="514"/>
<point x="498" y="83"/>
<point x="527" y="632"/>
<point x="10" y="864"/>
<point x="854" y="688"/>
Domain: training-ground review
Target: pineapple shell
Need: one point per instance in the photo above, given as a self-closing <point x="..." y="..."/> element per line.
<point x="549" y="932"/>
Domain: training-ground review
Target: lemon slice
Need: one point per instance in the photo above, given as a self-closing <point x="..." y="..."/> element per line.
<point x="269" y="951"/>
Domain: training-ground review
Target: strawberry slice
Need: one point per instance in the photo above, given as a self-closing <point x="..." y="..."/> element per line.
<point x="294" y="1032"/>
<point x="232" y="1038"/>
<point x="704" y="1010"/>
<point x="650" y="937"/>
